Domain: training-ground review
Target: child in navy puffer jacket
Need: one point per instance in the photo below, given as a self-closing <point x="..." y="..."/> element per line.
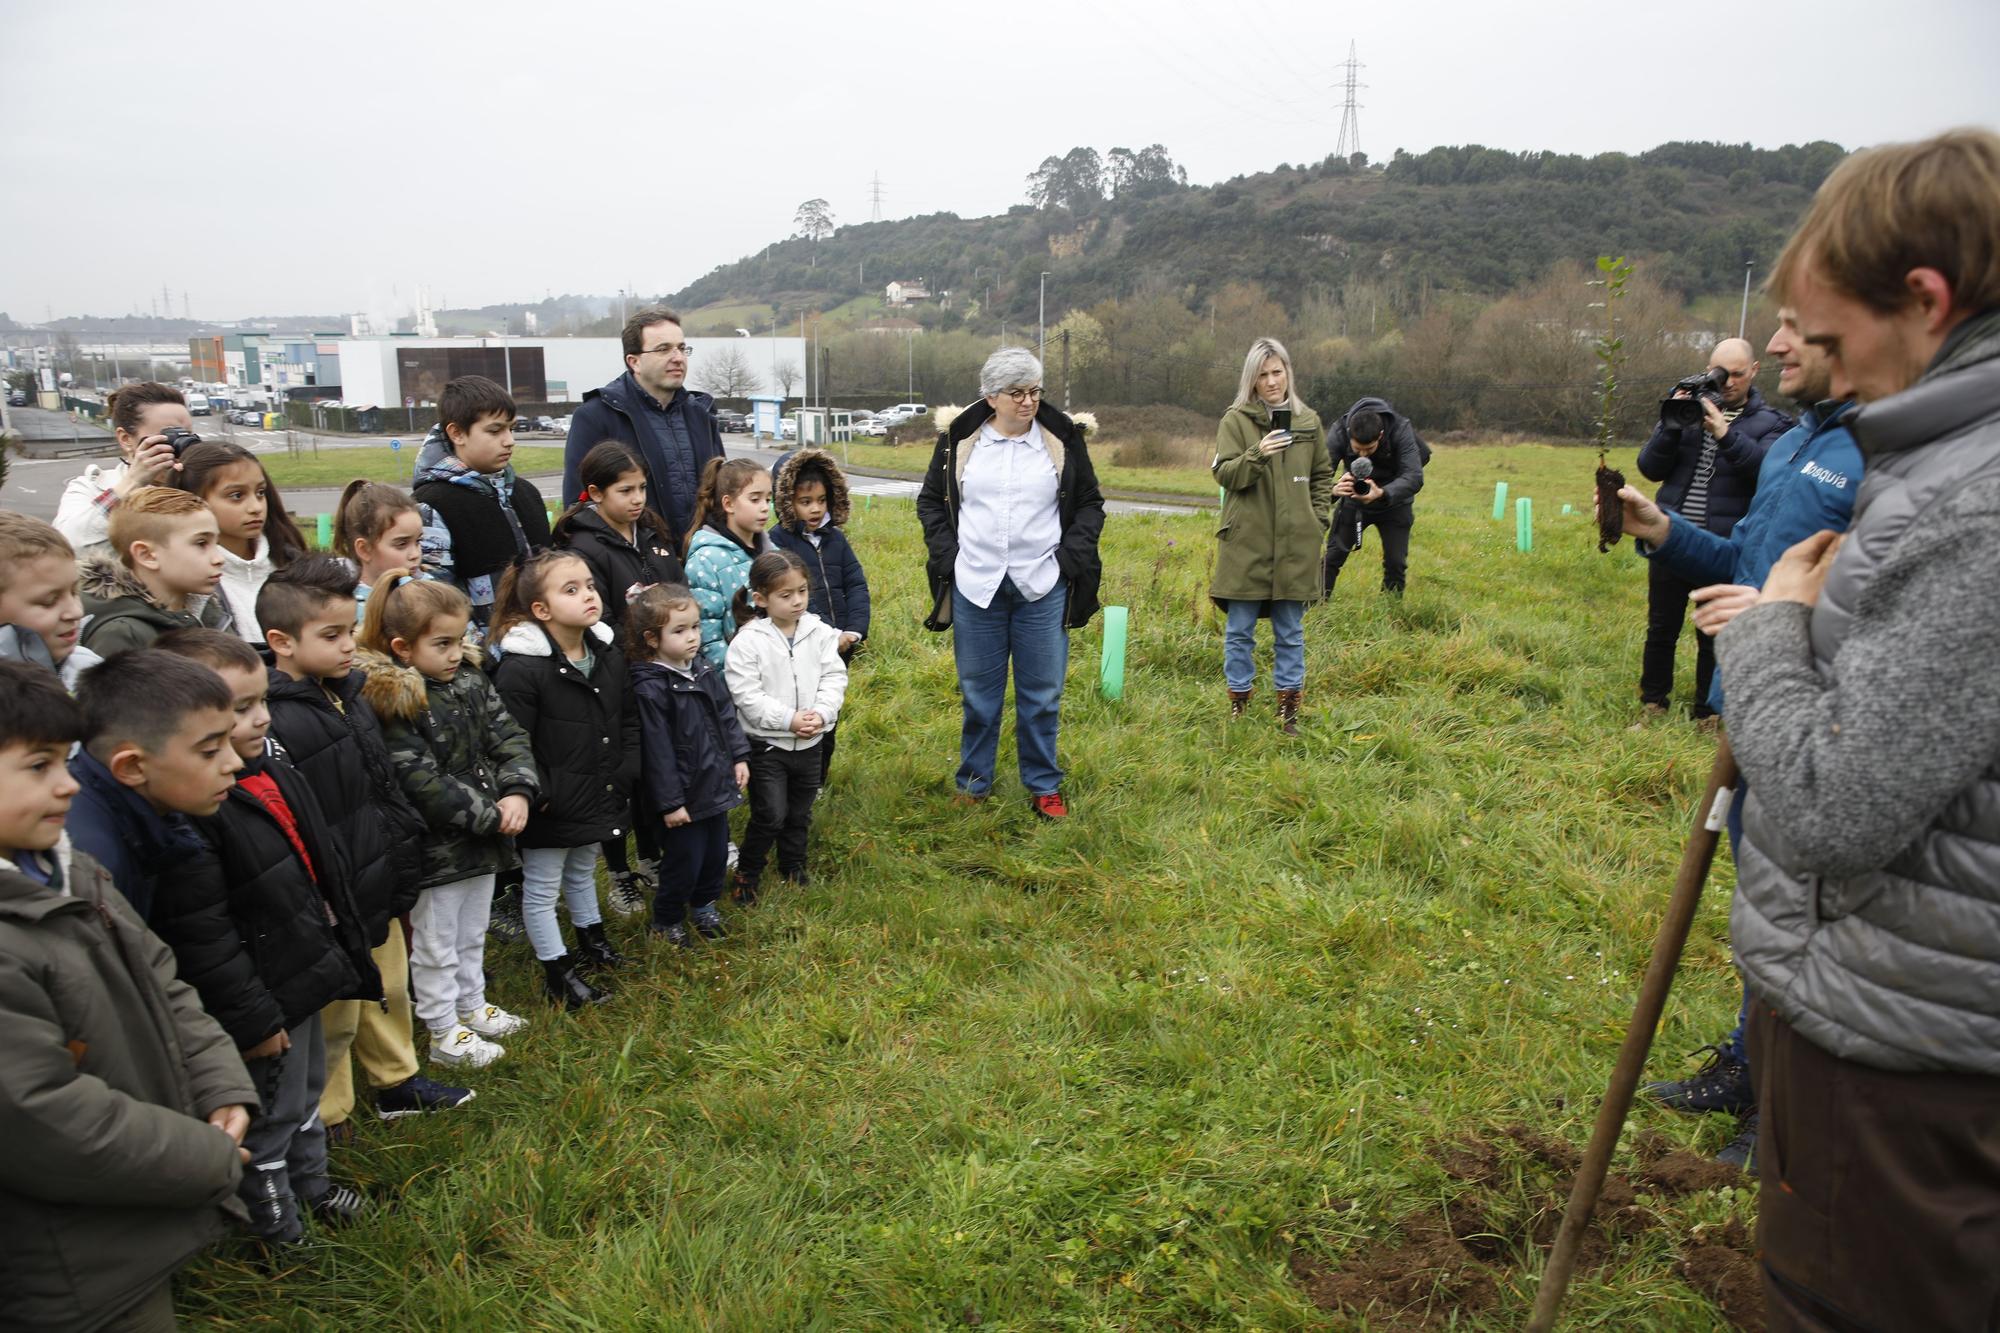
<point x="693" y="758"/>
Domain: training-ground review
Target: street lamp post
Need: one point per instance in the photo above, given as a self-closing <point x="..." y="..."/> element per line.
<point x="1041" y="318"/>
<point x="1743" y="318"/>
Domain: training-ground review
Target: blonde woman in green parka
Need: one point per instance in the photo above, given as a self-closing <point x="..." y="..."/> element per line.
<point x="1277" y="499"/>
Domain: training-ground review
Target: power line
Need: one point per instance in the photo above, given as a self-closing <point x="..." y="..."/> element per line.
<point x="1349" y="142"/>
<point x="875" y="197"/>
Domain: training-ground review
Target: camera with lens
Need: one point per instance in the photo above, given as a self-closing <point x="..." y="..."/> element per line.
<point x="178" y="439"/>
<point x="1681" y="413"/>
<point x="1358" y="471"/>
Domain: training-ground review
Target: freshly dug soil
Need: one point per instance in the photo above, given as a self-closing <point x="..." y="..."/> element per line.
<point x="1610" y="509"/>
<point x="1443" y="1265"/>
<point x="1723" y="1268"/>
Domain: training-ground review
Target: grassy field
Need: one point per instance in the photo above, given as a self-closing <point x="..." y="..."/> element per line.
<point x="1166" y="1065"/>
<point x="337" y="467"/>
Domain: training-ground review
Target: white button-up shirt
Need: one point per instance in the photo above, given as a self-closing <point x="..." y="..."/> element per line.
<point x="1009" y="526"/>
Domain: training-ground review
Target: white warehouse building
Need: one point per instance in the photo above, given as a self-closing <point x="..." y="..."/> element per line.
<point x="395" y="372"/>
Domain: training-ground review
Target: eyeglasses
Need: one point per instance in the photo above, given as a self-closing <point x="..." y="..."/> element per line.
<point x="685" y="349"/>
<point x="1023" y="395"/>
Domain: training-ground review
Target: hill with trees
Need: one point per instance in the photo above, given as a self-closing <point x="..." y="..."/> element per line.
<point x="1465" y="219"/>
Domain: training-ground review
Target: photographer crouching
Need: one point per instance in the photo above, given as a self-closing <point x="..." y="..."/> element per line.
<point x="1382" y="463"/>
<point x="1714" y="430"/>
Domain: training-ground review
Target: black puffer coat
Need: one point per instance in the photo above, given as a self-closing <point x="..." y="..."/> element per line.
<point x="585" y="734"/>
<point x="340" y="753"/>
<point x="263" y="942"/>
<point x="620" y="569"/>
<point x="690" y="741"/>
<point x="458" y="754"/>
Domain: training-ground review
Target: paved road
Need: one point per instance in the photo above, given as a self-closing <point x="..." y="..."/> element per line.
<point x="34" y="486"/>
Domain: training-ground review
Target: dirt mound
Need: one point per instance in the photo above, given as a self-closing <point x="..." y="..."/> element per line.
<point x="1416" y="1282"/>
<point x="1722" y="1267"/>
<point x="1441" y="1265"/>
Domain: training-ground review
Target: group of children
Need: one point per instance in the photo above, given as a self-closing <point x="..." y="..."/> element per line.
<point x="256" y="802"/>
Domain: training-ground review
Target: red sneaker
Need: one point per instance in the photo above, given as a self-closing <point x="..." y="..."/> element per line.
<point x="1050" y="806"/>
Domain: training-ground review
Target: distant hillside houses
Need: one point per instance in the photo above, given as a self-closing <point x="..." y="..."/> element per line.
<point x="902" y="293"/>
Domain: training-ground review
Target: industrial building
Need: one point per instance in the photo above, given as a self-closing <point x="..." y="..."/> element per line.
<point x="400" y="370"/>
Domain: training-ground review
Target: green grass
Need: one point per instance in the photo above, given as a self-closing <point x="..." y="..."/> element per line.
<point x="723" y="320"/>
<point x="337" y="467"/>
<point x="1108" y="1074"/>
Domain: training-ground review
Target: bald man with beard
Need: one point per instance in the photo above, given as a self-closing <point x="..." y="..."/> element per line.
<point x="1708" y="473"/>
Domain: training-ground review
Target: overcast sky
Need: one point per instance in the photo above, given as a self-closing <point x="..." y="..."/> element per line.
<point x="320" y="158"/>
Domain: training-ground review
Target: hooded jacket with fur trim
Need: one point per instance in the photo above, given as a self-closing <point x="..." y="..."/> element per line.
<point x="457" y="751"/>
<point x="839" y="590"/>
<point x="584" y="731"/>
<point x="124" y="615"/>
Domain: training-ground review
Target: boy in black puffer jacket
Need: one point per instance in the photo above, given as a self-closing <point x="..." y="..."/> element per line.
<point x="335" y="742"/>
<point x="268" y="939"/>
<point x="811" y="496"/>
<point x="694" y="759"/>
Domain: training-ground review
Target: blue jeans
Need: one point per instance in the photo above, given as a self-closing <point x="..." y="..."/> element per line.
<point x="1288" y="645"/>
<point x="1031" y="636"/>
<point x="545" y="872"/>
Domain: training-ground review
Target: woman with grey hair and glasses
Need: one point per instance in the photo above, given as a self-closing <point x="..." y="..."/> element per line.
<point x="1276" y="475"/>
<point x="1011" y="515"/>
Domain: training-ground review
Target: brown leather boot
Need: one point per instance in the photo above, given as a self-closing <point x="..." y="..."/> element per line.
<point x="1288" y="711"/>
<point x="1238" y="701"/>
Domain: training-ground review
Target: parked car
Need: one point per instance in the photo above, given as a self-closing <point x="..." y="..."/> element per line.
<point x="905" y="411"/>
<point x="733" y="422"/>
<point x="197" y="405"/>
<point x="16" y="398"/>
<point x="788" y="428"/>
<point x="873" y="428"/>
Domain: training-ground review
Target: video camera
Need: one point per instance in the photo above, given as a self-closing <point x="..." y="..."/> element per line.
<point x="1680" y="413"/>
<point x="1361" y="469"/>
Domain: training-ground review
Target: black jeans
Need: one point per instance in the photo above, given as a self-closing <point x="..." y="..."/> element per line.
<point x="1392" y="524"/>
<point x="694" y="858"/>
<point x="783" y="784"/>
<point x="1666" y="611"/>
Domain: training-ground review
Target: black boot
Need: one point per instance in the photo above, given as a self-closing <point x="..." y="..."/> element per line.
<point x="594" y="951"/>
<point x="566" y="986"/>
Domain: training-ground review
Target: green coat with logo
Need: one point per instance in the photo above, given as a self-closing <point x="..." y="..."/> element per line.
<point x="1275" y="510"/>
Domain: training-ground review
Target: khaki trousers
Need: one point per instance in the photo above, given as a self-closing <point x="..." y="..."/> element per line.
<point x="381" y="1037"/>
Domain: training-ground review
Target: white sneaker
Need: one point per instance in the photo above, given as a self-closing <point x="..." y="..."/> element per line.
<point x="493" y="1021"/>
<point x="463" y="1046"/>
<point x="732" y="857"/>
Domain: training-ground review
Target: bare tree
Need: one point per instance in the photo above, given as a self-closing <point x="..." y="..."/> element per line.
<point x="727" y="372"/>
<point x="785" y="375"/>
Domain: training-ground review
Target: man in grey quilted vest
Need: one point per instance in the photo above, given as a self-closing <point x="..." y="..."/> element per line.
<point x="1864" y="708"/>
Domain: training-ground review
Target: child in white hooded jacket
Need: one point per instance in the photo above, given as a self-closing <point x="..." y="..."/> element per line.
<point x="788" y="680"/>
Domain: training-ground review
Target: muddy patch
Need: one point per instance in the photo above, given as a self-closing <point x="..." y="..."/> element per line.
<point x="1441" y="1265"/>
